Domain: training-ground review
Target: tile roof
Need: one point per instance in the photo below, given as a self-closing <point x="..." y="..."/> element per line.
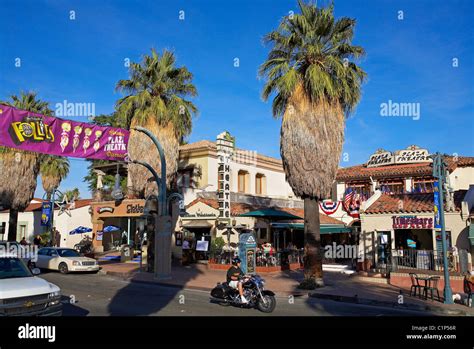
<point x="238" y="208"/>
<point x="35" y="206"/>
<point x="410" y="203"/>
<point x="359" y="172"/>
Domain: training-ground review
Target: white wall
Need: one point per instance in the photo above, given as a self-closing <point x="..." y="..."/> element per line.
<point x="64" y="223"/>
<point x="461" y="178"/>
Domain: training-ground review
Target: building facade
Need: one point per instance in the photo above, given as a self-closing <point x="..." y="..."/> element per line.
<point x="391" y="202"/>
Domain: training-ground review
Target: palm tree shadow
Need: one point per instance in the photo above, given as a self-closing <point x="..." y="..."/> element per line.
<point x="142" y="298"/>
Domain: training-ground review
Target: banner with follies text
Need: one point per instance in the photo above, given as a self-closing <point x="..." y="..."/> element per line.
<point x="24" y="130"/>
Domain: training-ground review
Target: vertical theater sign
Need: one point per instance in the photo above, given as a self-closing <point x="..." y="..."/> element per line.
<point x="225" y="150"/>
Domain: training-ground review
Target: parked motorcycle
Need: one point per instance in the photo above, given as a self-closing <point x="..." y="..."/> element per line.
<point x="254" y="292"/>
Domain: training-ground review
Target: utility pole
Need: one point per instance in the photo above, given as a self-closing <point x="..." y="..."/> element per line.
<point x="439" y="171"/>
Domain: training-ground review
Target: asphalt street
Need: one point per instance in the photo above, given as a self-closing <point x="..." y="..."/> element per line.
<point x="101" y="295"/>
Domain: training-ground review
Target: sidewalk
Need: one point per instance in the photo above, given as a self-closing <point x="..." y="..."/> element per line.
<point x="339" y="287"/>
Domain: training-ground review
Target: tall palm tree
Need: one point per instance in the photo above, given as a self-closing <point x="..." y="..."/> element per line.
<point x="20" y="168"/>
<point x="316" y="85"/>
<point x="72" y="194"/>
<point x="156" y="98"/>
<point x="53" y="169"/>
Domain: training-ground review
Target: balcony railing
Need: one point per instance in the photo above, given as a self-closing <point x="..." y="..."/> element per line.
<point x="263" y="259"/>
<point x="423" y="260"/>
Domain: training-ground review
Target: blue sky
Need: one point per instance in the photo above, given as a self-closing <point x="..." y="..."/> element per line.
<point x="407" y="61"/>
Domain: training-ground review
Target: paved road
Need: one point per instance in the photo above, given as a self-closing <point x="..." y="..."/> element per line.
<point x="97" y="294"/>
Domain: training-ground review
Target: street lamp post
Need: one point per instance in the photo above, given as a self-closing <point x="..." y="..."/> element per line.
<point x="162" y="261"/>
<point x="439" y="171"/>
<point x="52" y="201"/>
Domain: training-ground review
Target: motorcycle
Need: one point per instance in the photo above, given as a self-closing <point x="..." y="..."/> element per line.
<point x="254" y="292"/>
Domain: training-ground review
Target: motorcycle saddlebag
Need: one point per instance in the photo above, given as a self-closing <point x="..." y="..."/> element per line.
<point x="218" y="291"/>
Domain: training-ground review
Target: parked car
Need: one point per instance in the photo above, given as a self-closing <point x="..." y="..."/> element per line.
<point x="65" y="260"/>
<point x="24" y="294"/>
<point x="13" y="247"/>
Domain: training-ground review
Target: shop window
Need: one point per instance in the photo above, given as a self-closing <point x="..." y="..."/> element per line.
<point x="3" y="226"/>
<point x="185" y="178"/>
<point x="260" y="184"/>
<point x="243" y="181"/>
<point x="364" y="189"/>
<point x="422" y="185"/>
<point x="392" y="186"/>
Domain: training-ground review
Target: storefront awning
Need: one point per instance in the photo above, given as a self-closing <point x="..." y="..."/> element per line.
<point x="197" y="224"/>
<point x="325" y="228"/>
<point x="270" y="213"/>
<point x="471" y="234"/>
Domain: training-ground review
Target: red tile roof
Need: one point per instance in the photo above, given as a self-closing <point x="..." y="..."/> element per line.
<point x="410" y="203"/>
<point x="35" y="206"/>
<point x="238" y="208"/>
<point x="359" y="172"/>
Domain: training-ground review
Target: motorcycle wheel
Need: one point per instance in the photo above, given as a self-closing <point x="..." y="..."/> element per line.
<point x="269" y="306"/>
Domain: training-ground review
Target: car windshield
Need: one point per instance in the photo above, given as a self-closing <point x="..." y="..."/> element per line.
<point x="68" y="253"/>
<point x="13" y="268"/>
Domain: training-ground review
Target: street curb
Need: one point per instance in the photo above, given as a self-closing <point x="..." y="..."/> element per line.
<point x="129" y="277"/>
<point x="373" y="302"/>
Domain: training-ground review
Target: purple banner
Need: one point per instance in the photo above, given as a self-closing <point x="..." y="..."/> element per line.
<point x="24" y="130"/>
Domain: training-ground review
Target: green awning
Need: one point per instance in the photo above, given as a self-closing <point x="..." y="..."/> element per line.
<point x="270" y="213"/>
<point x="325" y="228"/>
<point x="471" y="234"/>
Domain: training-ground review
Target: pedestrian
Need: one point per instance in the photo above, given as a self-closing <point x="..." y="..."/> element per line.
<point x="37" y="241"/>
<point x="23" y="242"/>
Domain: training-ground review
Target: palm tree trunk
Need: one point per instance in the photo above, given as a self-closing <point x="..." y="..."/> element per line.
<point x="313" y="262"/>
<point x="12" y="224"/>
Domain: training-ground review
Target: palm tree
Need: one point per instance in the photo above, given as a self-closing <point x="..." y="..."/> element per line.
<point x="157" y="99"/>
<point x="316" y="85"/>
<point x="72" y="194"/>
<point x="20" y="168"/>
<point x="53" y="170"/>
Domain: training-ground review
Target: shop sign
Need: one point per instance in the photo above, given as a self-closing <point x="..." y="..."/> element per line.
<point x="135" y="208"/>
<point x="411" y="222"/>
<point x="225" y="150"/>
<point x="105" y="209"/>
<point x="200" y="215"/>
<point x="413" y="154"/>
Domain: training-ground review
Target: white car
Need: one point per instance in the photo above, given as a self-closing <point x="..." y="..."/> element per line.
<point x="65" y="260"/>
<point x="22" y="293"/>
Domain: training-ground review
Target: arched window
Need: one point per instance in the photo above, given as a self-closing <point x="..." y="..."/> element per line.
<point x="243" y="182"/>
<point x="260" y="184"/>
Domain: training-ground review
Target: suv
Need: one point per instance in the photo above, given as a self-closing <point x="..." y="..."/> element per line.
<point x="22" y="293"/>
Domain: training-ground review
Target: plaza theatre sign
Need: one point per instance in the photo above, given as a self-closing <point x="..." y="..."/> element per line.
<point x="413" y="154"/>
<point x="225" y="149"/>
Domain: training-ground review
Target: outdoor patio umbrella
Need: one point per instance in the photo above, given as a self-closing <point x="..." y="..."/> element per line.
<point x="111" y="229"/>
<point x="80" y="230"/>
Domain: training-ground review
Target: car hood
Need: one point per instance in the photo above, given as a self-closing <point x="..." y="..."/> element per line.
<point x="21" y="287"/>
<point x="80" y="259"/>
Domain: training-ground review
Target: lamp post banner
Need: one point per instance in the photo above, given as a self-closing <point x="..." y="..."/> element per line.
<point x="21" y="129"/>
